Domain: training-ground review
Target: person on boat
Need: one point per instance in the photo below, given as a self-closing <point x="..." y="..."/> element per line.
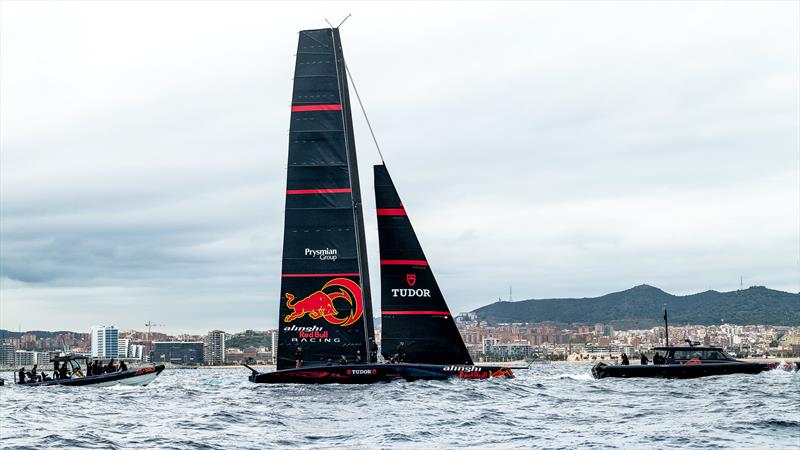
<point x="625" y="361"/>
<point x="21" y="376"/>
<point x="111" y="367"/>
<point x="123" y="367"/>
<point x="373" y="350"/>
<point x="342" y="360"/>
<point x="62" y="372"/>
<point x="358" y="356"/>
<point x="32" y="375"/>
<point x="55" y="370"/>
<point x="657" y="359"/>
<point x="643" y="361"/>
<point x="400" y="352"/>
<point x="43" y="377"/>
<point x="96" y="370"/>
<point x="298" y="357"/>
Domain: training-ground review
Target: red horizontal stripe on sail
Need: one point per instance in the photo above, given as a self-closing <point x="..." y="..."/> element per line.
<point x="304" y="108"/>
<point x="415" y="313"/>
<point x="318" y="275"/>
<point x="404" y="262"/>
<point x="391" y="212"/>
<point x="317" y="191"/>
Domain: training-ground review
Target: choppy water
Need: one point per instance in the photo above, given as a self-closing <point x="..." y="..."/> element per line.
<point x="554" y="406"/>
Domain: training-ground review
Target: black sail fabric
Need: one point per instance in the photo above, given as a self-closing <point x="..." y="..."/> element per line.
<point x="413" y="310"/>
<point x="325" y="306"/>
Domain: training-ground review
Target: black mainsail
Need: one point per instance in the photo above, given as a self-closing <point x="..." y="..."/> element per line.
<point x="413" y="309"/>
<point x="325" y="306"/>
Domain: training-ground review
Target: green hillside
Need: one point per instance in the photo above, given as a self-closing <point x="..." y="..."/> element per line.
<point x="641" y="307"/>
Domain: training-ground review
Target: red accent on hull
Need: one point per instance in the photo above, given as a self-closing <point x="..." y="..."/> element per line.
<point x="415" y="313"/>
<point x="304" y="108"/>
<point x="317" y="191"/>
<point x="318" y="275"/>
<point x="404" y="262"/>
<point x="391" y="212"/>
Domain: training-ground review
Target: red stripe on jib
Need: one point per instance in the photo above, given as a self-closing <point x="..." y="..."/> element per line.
<point x="317" y="191"/>
<point x="391" y="212"/>
<point x="304" y="108"/>
<point x="404" y="262"/>
<point x="415" y="313"/>
<point x="318" y="275"/>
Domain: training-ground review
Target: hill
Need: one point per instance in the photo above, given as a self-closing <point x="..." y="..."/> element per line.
<point x="641" y="307"/>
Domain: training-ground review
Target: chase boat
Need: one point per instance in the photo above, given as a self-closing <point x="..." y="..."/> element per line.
<point x="133" y="377"/>
<point x="689" y="362"/>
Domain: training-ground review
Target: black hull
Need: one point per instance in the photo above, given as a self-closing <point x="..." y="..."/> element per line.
<point x="138" y="377"/>
<point x="379" y="373"/>
<point x="602" y="370"/>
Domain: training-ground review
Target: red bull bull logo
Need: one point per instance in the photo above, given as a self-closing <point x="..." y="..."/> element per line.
<point x="321" y="304"/>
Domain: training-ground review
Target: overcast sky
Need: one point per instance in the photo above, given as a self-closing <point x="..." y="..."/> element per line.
<point x="568" y="149"/>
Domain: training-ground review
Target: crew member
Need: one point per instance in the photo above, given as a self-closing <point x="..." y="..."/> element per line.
<point x="400" y="352"/>
<point x="657" y="359"/>
<point x="644" y="359"/>
<point x="32" y="374"/>
<point x="373" y="350"/>
<point x="122" y="366"/>
<point x="55" y="369"/>
<point x="21" y="376"/>
<point x="625" y="361"/>
<point x="298" y="357"/>
<point x="62" y="372"/>
<point x="111" y="367"/>
<point x="342" y="360"/>
<point x="358" y="356"/>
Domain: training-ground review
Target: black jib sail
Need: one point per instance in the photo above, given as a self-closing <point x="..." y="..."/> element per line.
<point x="413" y="308"/>
<point x="325" y="306"/>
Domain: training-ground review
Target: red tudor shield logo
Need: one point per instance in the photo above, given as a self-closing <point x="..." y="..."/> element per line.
<point x="411" y="279"/>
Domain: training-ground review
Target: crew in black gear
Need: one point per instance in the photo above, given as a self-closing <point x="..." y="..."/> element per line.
<point x="32" y="375"/>
<point x="55" y="369"/>
<point x="122" y="366"/>
<point x="373" y="350"/>
<point x="358" y="356"/>
<point x="111" y="367"/>
<point x="62" y="372"/>
<point x="400" y="353"/>
<point x="342" y="360"/>
<point x="625" y="361"/>
<point x="644" y="359"/>
<point x="298" y="357"/>
<point x="21" y="376"/>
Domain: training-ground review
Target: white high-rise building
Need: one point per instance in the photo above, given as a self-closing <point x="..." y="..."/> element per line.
<point x="105" y="342"/>
<point x="124" y="348"/>
<point x="136" y="351"/>
<point x="275" y="347"/>
<point x="216" y="347"/>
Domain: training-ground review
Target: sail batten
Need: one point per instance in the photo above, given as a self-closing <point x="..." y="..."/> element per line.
<point x="413" y="309"/>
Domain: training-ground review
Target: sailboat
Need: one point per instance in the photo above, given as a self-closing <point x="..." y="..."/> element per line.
<point x="326" y="332"/>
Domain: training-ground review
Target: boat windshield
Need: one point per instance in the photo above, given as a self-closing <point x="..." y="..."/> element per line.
<point x="702" y="355"/>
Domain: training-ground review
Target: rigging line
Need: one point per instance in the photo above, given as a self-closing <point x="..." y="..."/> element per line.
<point x="344" y="20"/>
<point x="363" y="111"/>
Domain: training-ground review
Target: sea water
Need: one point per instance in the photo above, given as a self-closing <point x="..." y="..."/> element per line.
<point x="548" y="406"/>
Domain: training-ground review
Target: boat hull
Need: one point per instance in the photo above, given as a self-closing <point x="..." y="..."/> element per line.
<point x="602" y="370"/>
<point x="379" y="373"/>
<point x="138" y="377"/>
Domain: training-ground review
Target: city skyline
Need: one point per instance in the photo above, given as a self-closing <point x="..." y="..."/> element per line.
<point x="156" y="192"/>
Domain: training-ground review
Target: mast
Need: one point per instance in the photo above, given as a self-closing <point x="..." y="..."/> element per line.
<point x="358" y="212"/>
<point x="324" y="305"/>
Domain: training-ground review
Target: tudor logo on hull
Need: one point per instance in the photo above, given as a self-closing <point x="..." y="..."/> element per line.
<point x="322" y="304"/>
